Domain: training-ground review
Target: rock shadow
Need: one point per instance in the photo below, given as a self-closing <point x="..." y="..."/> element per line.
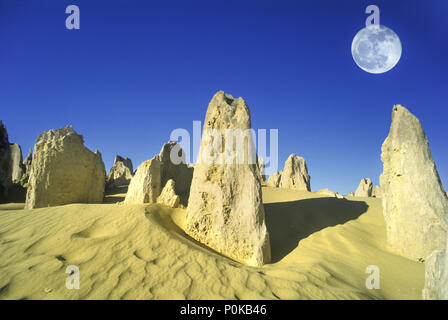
<point x="290" y="222"/>
<point x="15" y="194"/>
<point x="115" y="194"/>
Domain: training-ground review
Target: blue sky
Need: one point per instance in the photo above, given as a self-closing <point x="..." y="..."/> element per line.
<point x="136" y="70"/>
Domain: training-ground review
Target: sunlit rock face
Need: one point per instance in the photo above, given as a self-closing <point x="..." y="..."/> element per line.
<point x="168" y="196"/>
<point x="64" y="171"/>
<point x="121" y="172"/>
<point x="225" y="209"/>
<point x="415" y="206"/>
<point x="295" y="174"/>
<point x="175" y="167"/>
<point x="145" y="185"/>
<point x="274" y="180"/>
<point x="436" y="275"/>
<point x="364" y="188"/>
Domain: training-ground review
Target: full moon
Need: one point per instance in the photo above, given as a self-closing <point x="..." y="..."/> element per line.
<point x="376" y="49"/>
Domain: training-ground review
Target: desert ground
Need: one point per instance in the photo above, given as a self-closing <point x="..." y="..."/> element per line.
<point x="320" y="248"/>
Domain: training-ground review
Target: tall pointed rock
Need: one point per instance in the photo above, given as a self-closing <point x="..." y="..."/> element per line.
<point x="415" y="207"/>
<point x="225" y="209"/>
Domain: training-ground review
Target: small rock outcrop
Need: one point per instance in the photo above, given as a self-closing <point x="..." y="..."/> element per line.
<point x="364" y="188"/>
<point x="330" y="193"/>
<point x="174" y="167"/>
<point x="168" y="196"/>
<point x="145" y="186"/>
<point x="274" y="180"/>
<point x="436" y="275"/>
<point x="295" y="174"/>
<point x="225" y="209"/>
<point x="152" y="176"/>
<point x="121" y="173"/>
<point x="415" y="207"/>
<point x="64" y="171"/>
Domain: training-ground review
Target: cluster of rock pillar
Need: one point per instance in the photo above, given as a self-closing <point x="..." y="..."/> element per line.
<point x="225" y="209"/>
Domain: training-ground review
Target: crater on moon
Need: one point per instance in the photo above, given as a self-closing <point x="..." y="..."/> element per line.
<point x="376" y="49"/>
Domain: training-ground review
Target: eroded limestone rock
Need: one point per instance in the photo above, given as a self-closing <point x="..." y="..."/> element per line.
<point x="364" y="188"/>
<point x="295" y="174"/>
<point x="225" y="209"/>
<point x="436" y="275"/>
<point x="121" y="172"/>
<point x="64" y="171"/>
<point x="174" y="167"/>
<point x="168" y="196"/>
<point x="415" y="207"/>
<point x="17" y="168"/>
<point x="145" y="186"/>
<point x="274" y="179"/>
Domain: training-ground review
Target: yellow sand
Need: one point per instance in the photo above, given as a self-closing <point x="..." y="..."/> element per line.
<point x="141" y="252"/>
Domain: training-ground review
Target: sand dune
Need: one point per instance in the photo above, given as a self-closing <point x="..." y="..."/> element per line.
<point x="320" y="248"/>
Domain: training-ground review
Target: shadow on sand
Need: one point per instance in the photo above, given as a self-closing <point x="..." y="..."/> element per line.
<point x="116" y="194"/>
<point x="290" y="222"/>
